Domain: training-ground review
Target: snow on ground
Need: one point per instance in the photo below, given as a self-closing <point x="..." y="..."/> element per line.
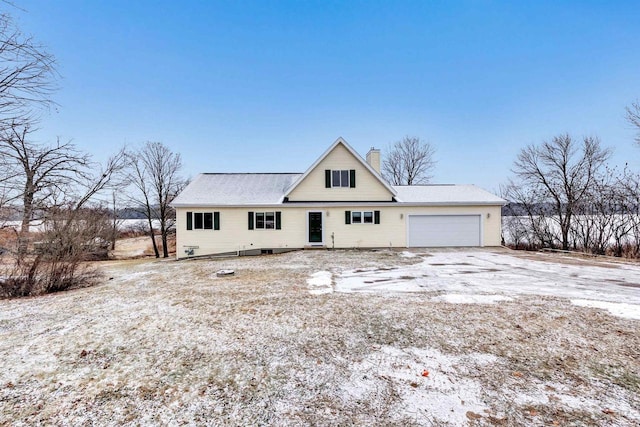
<point x="169" y="343"/>
<point x="408" y="254"/>
<point x="471" y="299"/>
<point x="475" y="273"/>
<point x="320" y="283"/>
<point x="622" y="309"/>
<point x="434" y="392"/>
<point x="545" y="393"/>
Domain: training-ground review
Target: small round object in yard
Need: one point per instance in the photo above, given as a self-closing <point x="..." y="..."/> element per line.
<point x="221" y="273"/>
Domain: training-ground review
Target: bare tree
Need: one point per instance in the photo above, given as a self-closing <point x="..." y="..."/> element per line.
<point x="601" y="220"/>
<point x="526" y="218"/>
<point x="629" y="187"/>
<point x="115" y="222"/>
<point x="155" y="173"/>
<point x="37" y="173"/>
<point x="554" y="178"/>
<point x="27" y="74"/>
<point x="633" y="116"/>
<point x="409" y="161"/>
<point x="27" y="80"/>
<point x="72" y="232"/>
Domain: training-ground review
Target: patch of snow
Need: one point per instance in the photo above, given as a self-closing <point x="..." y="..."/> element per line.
<point x="392" y="279"/>
<point x="429" y="384"/>
<point x="552" y="393"/>
<point x="471" y="299"/>
<point x="320" y="283"/>
<point x="620" y="309"/>
<point x="408" y="254"/>
<point x="483" y="272"/>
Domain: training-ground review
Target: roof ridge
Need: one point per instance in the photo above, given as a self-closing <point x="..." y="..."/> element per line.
<point x="252" y="173"/>
<point x="429" y="185"/>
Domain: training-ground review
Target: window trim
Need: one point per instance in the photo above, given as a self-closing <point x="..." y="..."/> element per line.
<point x="358" y="217"/>
<point x="349" y="176"/>
<point x="272" y="218"/>
<point x="203" y="220"/>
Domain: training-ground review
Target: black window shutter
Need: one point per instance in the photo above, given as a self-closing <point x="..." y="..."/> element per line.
<point x="250" y="220"/>
<point x="327" y="178"/>
<point x="216" y="220"/>
<point x="352" y="178"/>
<point x="376" y="217"/>
<point x="347" y="217"/>
<point x="278" y="220"/>
<point x="189" y="221"/>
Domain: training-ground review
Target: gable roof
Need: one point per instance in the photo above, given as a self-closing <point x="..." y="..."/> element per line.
<point x="340" y="140"/>
<point x="446" y="194"/>
<point x="230" y="189"/>
<point x="247" y="189"/>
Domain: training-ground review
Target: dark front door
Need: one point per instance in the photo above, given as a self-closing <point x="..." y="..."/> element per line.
<point x="315" y="227"/>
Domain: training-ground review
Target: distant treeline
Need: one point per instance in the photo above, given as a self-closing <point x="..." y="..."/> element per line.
<point x="14" y="213"/>
<point x="519" y="209"/>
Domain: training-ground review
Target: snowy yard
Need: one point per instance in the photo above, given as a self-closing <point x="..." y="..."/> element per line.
<point x="449" y="337"/>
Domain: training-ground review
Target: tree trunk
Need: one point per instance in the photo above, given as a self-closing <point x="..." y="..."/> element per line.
<point x="165" y="248"/>
<point x="153" y="239"/>
<point x="114" y="230"/>
<point x="27" y="213"/>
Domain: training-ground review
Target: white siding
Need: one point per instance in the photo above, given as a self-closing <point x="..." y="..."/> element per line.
<point x="392" y="231"/>
<point x="368" y="186"/>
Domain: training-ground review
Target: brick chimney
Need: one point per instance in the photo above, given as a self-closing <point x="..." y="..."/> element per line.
<point x="373" y="158"/>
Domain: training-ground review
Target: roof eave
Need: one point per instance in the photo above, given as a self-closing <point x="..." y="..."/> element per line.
<point x="339" y="204"/>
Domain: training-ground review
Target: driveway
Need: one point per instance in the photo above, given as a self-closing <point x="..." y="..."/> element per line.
<point x="493" y="275"/>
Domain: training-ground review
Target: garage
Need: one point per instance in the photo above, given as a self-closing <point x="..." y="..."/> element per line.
<point x="444" y="230"/>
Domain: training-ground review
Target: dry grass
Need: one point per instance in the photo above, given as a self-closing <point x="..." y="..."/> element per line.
<point x="167" y="342"/>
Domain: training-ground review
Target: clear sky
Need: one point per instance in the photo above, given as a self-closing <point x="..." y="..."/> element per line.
<point x="267" y="86"/>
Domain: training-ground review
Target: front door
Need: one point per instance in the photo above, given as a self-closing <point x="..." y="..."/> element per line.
<point x="315" y="227"/>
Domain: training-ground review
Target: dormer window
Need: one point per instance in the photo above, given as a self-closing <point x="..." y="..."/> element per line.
<point x="340" y="178"/>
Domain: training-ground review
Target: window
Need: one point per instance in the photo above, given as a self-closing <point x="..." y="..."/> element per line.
<point x="368" y="217"/>
<point x="362" y="217"/>
<point x="208" y="220"/>
<point x="265" y="220"/>
<point x="341" y="178"/>
<point x="203" y="220"/>
<point x="269" y="220"/>
<point x="197" y="220"/>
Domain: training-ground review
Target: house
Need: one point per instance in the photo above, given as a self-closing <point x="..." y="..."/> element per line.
<point x="341" y="201"/>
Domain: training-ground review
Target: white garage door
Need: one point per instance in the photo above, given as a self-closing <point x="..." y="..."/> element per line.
<point x="444" y="230"/>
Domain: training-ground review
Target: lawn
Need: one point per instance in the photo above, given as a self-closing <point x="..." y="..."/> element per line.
<point x="457" y="337"/>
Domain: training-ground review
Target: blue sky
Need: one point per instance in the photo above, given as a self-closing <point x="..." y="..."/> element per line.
<point x="267" y="86"/>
